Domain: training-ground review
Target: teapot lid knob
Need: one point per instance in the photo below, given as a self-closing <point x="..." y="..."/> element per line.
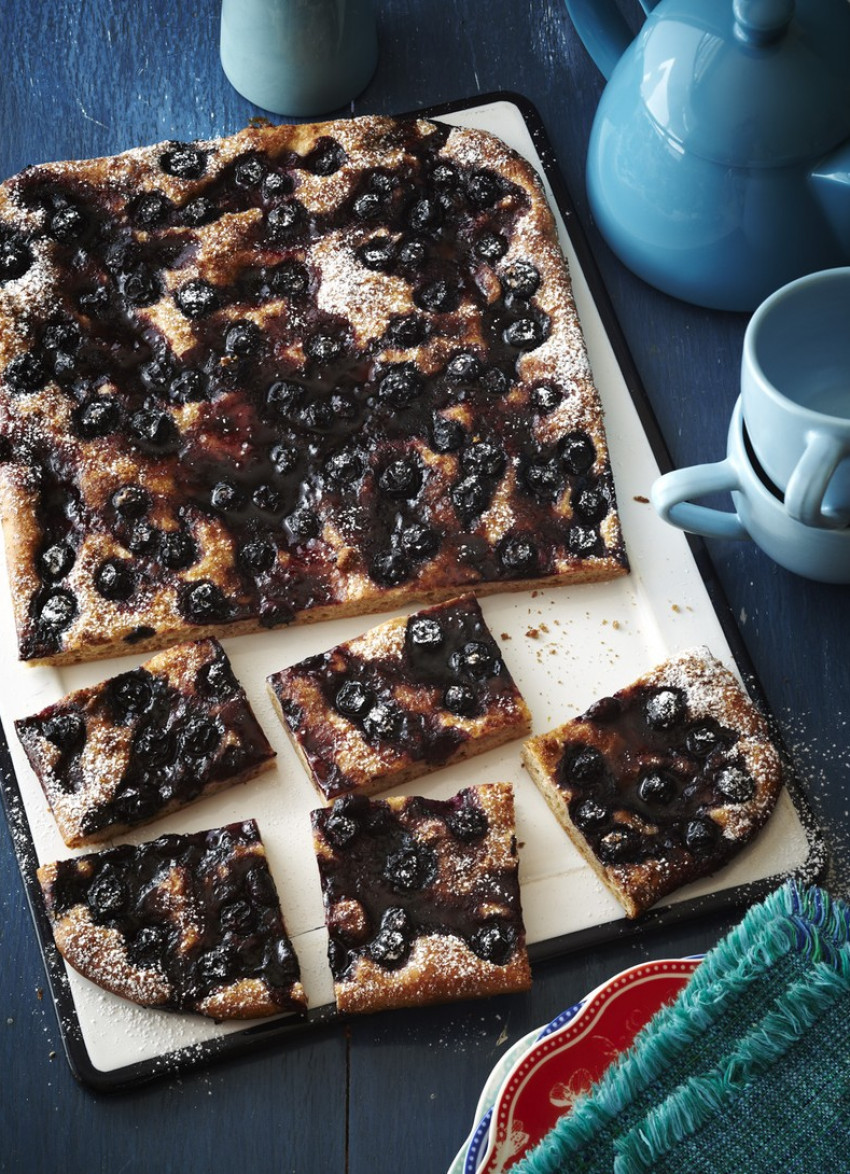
<point x="758" y="22"/>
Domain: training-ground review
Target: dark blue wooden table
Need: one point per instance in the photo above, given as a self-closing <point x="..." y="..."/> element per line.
<point x="393" y="1092"/>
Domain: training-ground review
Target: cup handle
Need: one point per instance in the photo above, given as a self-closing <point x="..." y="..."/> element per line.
<point x="671" y="494"/>
<point x="808" y="483"/>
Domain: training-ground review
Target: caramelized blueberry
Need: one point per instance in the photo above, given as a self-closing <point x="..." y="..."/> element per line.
<point x="149" y="209"/>
<point x="196" y="298"/>
<point x="216" y="680"/>
<point x="470" y="496"/>
<point x="108" y="894"/>
<point x="519" y="555"/>
<point x="490" y="246"/>
<point x="258" y="556"/>
<point x="584" y="764"/>
<point x="368" y="206"/>
<point x="61" y="336"/>
<point x="285" y="219"/>
<point x="177" y="550"/>
<point x="285" y="398"/>
<point x="267" y="499"/>
<point x="323" y="347"/>
<point x="656" y="788"/>
<point x="484" y="457"/>
<point x="339" y="829"/>
<point x="439" y="297"/>
<point x="700" y="836"/>
<point x="199" y="211"/>
<point x="382" y="721"/>
<point x="589" y="815"/>
<point x="577" y="451"/>
<point x="130" y="695"/>
<point x="275" y="185"/>
<point x="446" y="435"/>
<point x="584" y="541"/>
<point x="401" y="385"/>
<point x="304" y="524"/>
<point x="545" y="398"/>
<point x="460" y="700"/>
<point x="243" y="339"/>
<point x="95" y="302"/>
<point x="521" y="278"/>
<point x="413" y="254"/>
<point x="140" y="537"/>
<point x="225" y="496"/>
<point x="153" y="747"/>
<point x="249" y="172"/>
<point x="424" y="632"/>
<point x="326" y="157"/>
<point x="157" y="373"/>
<point x="391" y="946"/>
<point x="524" y="334"/>
<point x="154" y="431"/>
<point x="445" y="175"/>
<point x="419" y="541"/>
<point x="464" y="367"/>
<point x="200" y="737"/>
<point x="115" y="579"/>
<point x="67" y="224"/>
<point x="483" y="189"/>
<point x="702" y="739"/>
<point x="390" y="567"/>
<point x="496" y="381"/>
<point x="735" y="785"/>
<point x="468" y="823"/>
<point x="425" y="215"/>
<point x="190" y="386"/>
<point x="130" y="501"/>
<point x="353" y="699"/>
<point x="344" y="467"/>
<point x="290" y="279"/>
<point x="67" y="731"/>
<point x="57" y="609"/>
<point x="140" y="286"/>
<point x="494" y="942"/>
<point x="283" y="458"/>
<point x="410" y="867"/>
<point x="619" y="846"/>
<point x="55" y="561"/>
<point x="477" y="659"/>
<point x="407" y="331"/>
<point x="545" y="479"/>
<point x="183" y="161"/>
<point x="402" y="478"/>
<point x="25" y="374"/>
<point x="377" y="254"/>
<point x="15" y="256"/>
<point x="665" y="708"/>
<point x="591" y="504"/>
<point x="202" y="602"/>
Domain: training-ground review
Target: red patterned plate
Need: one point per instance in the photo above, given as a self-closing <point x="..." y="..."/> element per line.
<point x="545" y="1081"/>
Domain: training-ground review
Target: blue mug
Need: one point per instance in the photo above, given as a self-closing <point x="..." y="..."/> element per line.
<point x="815" y="552"/>
<point x="300" y="58"/>
<point x="795" y="392"/>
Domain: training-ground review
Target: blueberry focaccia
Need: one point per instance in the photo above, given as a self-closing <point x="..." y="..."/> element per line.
<point x="299" y="372"/>
<point x="144" y="743"/>
<point x="422" y="900"/>
<point x="183" y="923"/>
<point x="665" y="781"/>
<point x="409" y="696"/>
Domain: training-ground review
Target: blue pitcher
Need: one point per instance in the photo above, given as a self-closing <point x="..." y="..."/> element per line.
<point x="719" y="160"/>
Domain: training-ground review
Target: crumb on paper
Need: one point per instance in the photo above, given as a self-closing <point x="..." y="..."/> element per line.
<point x="533" y="633"/>
<point x="506" y="636"/>
<point x="641" y="498"/>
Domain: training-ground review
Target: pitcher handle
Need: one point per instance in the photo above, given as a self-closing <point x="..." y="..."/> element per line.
<point x="671" y="494"/>
<point x="603" y="30"/>
<point x="808" y="484"/>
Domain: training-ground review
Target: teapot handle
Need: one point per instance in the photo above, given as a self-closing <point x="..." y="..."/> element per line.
<point x="603" y="30"/>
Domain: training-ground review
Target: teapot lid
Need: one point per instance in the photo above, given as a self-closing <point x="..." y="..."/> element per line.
<point x="749" y="82"/>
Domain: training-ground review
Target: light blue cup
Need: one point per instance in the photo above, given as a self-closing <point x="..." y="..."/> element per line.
<point x="795" y="394"/>
<point x="718" y="166"/>
<point x="759" y="512"/>
<point x="299" y="58"/>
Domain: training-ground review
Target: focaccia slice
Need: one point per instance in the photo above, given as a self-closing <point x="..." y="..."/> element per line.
<point x="422" y="898"/>
<point x="409" y="696"/>
<point x="183" y="923"/>
<point x="665" y="781"/>
<point x="144" y="743"/>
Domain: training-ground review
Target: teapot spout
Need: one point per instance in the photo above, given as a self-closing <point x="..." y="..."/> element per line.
<point x="830" y="180"/>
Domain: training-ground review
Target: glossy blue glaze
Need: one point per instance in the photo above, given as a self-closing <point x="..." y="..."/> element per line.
<point x="297" y="59"/>
<point x="717" y="166"/>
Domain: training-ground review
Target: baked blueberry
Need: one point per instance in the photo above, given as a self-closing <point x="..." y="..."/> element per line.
<point x="577" y="451"/>
<point x="377" y="254"/>
<point x="468" y="823"/>
<point x="401" y="385"/>
<point x="383" y="721"/>
<point x="401" y="478"/>
<point x="390" y="566"/>
<point x="140" y="286"/>
<point x="285" y="398"/>
<point x="249" y="171"/>
<point x="275" y="185"/>
<point x="66" y="730"/>
<point x="324" y="347"/>
<point x="304" y="524"/>
<point x="392" y="944"/>
<point x="490" y="246"/>
<point x="700" y="835"/>
<point x="591" y="504"/>
<point x="419" y="541"/>
<point x="483" y="189"/>
<point x="438" y="297"/>
<point x="425" y="632"/>
<point x="226" y="496"/>
<point x="177" y="550"/>
<point x="184" y="161"/>
<point x="115" y="579"/>
<point x="67" y="224"/>
<point x="130" y="501"/>
<point x="484" y="457"/>
<point x="545" y="398"/>
<point x="494" y="942"/>
<point x="519" y="555"/>
<point x="153" y="747"/>
<point x="585" y="764"/>
<point x="425" y="214"/>
<point x="108" y="894"/>
<point x="199" y="211"/>
<point x="284" y="219"/>
<point x="150" y="209"/>
<point x="190" y="386"/>
<point x="130" y="695"/>
<point x="25" y="374"/>
<point x="243" y="339"/>
<point x="154" y="431"/>
<point x="344" y="467"/>
<point x="477" y="659"/>
<point x="283" y="458"/>
<point x="258" y="556"/>
<point x="353" y="699"/>
<point x="470" y="496"/>
<point x="464" y="367"/>
<point x="200" y="737"/>
<point x="664" y="708"/>
<point x="290" y="279"/>
<point x="735" y="784"/>
<point x="407" y="331"/>
<point x="584" y="541"/>
<point x="15" y="255"/>
<point x="368" y="206"/>
<point x="410" y="867"/>
<point x="619" y="846"/>
<point x="525" y="334"/>
<point x="656" y="788"/>
<point x="447" y="435"/>
<point x="56" y="560"/>
<point x="521" y="278"/>
<point x="202" y="602"/>
<point x="267" y="499"/>
<point x="326" y="157"/>
<point x="56" y="609"/>
<point x="216" y="680"/>
<point x="460" y="700"/>
<point x="196" y="298"/>
<point x="544" y="478"/>
<point x="701" y="739"/>
<point x="590" y="815"/>
<point x="413" y="254"/>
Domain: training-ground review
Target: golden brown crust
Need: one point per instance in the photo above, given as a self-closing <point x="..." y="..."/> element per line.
<point x="414" y="708"/>
<point x="430" y="908"/>
<point x="338" y="328"/>
<point x="713" y="778"/>
<point x="134" y="748"/>
<point x="159" y="925"/>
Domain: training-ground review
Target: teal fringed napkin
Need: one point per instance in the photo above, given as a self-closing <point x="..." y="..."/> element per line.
<point x="792" y="939"/>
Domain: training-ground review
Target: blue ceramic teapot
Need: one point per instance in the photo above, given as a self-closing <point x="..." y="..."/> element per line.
<point x="719" y="160"/>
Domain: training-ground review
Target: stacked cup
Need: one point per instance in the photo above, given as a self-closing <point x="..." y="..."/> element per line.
<point x="787" y="463"/>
